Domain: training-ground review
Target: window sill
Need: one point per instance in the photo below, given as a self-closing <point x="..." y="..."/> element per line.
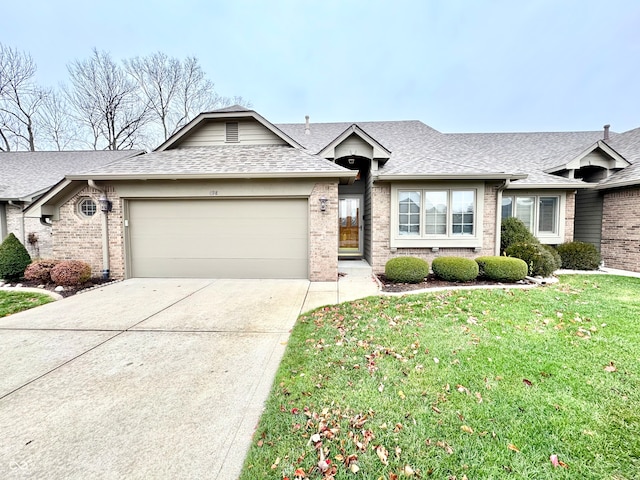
<point x="402" y="242"/>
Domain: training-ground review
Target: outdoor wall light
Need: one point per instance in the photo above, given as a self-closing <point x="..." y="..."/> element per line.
<point x="105" y="204"/>
<point x="323" y="204"/>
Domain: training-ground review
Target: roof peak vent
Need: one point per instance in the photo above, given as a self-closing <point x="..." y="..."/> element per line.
<point x="307" y="129"/>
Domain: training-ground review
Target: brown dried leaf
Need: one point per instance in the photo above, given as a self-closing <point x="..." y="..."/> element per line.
<point x="466" y="428"/>
<point x="610" y="368"/>
<point x="512" y="447"/>
<point x="383" y="454"/>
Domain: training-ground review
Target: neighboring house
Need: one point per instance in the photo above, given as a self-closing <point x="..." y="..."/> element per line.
<point x="25" y="176"/>
<point x="233" y="195"/>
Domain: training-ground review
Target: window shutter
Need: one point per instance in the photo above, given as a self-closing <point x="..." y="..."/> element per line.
<point x="232" y="132"/>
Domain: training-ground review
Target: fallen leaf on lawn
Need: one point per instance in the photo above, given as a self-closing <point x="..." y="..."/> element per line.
<point x="511" y="446"/>
<point x="435" y="409"/>
<point x="354" y="468"/>
<point x="408" y="471"/>
<point x="463" y="389"/>
<point x="275" y="464"/>
<point x="383" y="454"/>
<point x="398" y="452"/>
<point x="479" y="397"/>
<point x="436" y="360"/>
<point x="444" y="445"/>
<point x="466" y="428"/>
<point x="300" y="473"/>
<point x="381" y="388"/>
<point x="401" y="394"/>
<point x="527" y="382"/>
<point x="610" y="368"/>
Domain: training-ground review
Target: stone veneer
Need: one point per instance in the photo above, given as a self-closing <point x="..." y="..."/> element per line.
<point x="323" y="234"/>
<point x="80" y="238"/>
<point x="620" y="244"/>
<point x="570" y="216"/>
<point x="382" y="251"/>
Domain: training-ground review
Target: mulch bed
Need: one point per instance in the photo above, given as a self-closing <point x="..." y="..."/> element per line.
<point x="433" y="282"/>
<point x="68" y="290"/>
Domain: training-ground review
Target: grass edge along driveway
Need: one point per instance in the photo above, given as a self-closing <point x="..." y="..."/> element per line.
<point x="14" y="302"/>
<point x="539" y="383"/>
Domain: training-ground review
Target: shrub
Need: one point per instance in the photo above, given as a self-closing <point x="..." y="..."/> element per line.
<point x="40" y="270"/>
<point x="455" y="269"/>
<point x="502" y="269"/>
<point x="406" y="269"/>
<point x="537" y="257"/>
<point x="70" y="272"/>
<point x="513" y="230"/>
<point x="579" y="256"/>
<point x="557" y="261"/>
<point x="14" y="258"/>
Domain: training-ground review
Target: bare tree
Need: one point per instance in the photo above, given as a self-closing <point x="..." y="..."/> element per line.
<point x="20" y="99"/>
<point x="175" y="90"/>
<point x="107" y="101"/>
<point x="56" y="125"/>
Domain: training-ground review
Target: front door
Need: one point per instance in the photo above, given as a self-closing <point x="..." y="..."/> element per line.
<point x="350" y="226"/>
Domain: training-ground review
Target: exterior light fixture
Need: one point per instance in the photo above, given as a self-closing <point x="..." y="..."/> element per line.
<point x="105" y="204"/>
<point x="351" y="161"/>
<point x="323" y="204"/>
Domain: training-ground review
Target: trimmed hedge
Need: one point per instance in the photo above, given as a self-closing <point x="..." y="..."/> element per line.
<point x="71" y="272"/>
<point x="406" y="270"/>
<point x="538" y="258"/>
<point x="14" y="258"/>
<point x="579" y="256"/>
<point x="502" y="269"/>
<point x="513" y="230"/>
<point x="40" y="270"/>
<point x="557" y="261"/>
<point x="455" y="269"/>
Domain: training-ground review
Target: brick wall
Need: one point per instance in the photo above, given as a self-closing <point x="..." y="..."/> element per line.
<point x="22" y="228"/>
<point x="323" y="234"/>
<point x="381" y="217"/>
<point x="620" y="245"/>
<point x="570" y="216"/>
<point x="80" y="238"/>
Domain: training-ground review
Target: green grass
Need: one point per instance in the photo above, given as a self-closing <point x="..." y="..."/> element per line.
<point x="14" y="302"/>
<point x="482" y="384"/>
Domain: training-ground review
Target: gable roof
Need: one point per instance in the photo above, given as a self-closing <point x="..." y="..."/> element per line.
<point x="229" y="113"/>
<point x="354" y="129"/>
<point x="223" y="161"/>
<point x="26" y="175"/>
<point x="628" y="145"/>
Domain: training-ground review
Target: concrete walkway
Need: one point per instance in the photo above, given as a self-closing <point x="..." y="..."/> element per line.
<point x="162" y="378"/>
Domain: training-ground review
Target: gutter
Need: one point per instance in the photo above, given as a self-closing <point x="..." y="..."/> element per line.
<point x="501" y="189"/>
<point x="103" y="201"/>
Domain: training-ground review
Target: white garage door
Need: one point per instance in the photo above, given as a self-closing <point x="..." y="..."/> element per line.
<point x="218" y="238"/>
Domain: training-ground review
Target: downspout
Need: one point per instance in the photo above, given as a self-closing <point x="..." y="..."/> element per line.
<point x="3" y="222"/>
<point x="105" y="229"/>
<point x="13" y="204"/>
<point x="501" y="188"/>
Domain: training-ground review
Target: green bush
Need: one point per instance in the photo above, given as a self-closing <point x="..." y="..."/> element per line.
<point x="455" y="269"/>
<point x="579" y="256"/>
<point x="513" y="230"/>
<point x="40" y="270"/>
<point x="502" y="269"/>
<point x="557" y="261"/>
<point x="14" y="258"/>
<point x="406" y="270"/>
<point x="538" y="258"/>
<point x="70" y="272"/>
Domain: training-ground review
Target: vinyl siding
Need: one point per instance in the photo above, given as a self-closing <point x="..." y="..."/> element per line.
<point x="588" y="217"/>
<point x="250" y="132"/>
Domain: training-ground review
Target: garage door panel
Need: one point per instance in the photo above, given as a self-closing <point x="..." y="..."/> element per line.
<point x="218" y="238"/>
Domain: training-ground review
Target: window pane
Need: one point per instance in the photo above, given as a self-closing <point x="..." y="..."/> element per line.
<point x="435" y="216"/>
<point x="525" y="210"/>
<point x="409" y="213"/>
<point x="507" y="207"/>
<point x="463" y="208"/>
<point x="547" y="214"/>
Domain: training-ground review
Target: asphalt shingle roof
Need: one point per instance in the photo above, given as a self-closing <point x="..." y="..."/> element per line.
<point x="224" y="159"/>
<point x="23" y="174"/>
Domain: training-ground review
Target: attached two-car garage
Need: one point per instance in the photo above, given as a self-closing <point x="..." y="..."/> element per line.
<point x="218" y="238"/>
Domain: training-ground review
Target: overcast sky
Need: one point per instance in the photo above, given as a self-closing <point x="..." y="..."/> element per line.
<point x="459" y="66"/>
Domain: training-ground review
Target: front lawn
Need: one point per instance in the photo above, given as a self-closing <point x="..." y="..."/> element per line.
<point x="461" y="385"/>
<point x="14" y="302"/>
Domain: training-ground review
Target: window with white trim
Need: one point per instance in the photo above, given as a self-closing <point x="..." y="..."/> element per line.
<point x="441" y="213"/>
<point x="87" y="207"/>
<point x="540" y="213"/>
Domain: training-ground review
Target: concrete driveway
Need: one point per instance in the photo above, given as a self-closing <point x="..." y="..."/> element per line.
<point x="162" y="378"/>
